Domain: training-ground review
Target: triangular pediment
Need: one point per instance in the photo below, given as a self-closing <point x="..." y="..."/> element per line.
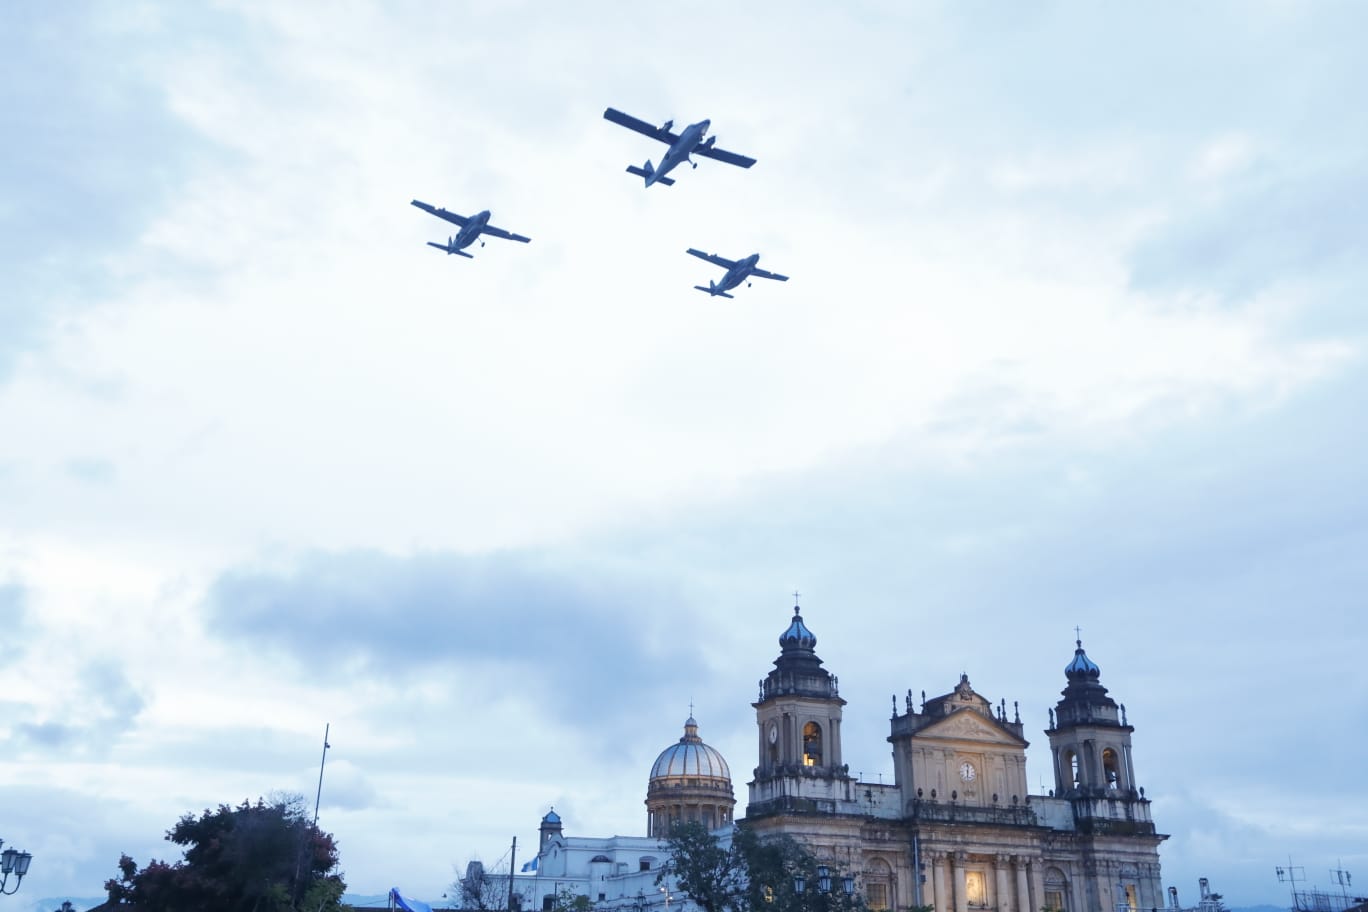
<point x="967" y="725"/>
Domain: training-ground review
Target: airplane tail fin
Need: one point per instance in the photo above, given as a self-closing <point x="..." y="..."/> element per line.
<point x="712" y="290"/>
<point x="648" y="172"/>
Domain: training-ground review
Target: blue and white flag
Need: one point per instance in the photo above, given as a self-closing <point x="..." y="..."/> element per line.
<point x="406" y="905"/>
<point x="531" y="865"/>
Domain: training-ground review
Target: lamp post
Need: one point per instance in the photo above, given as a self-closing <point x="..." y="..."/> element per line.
<point x="12" y="862"/>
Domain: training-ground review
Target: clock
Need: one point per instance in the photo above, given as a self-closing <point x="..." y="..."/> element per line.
<point x="967" y="771"/>
<point x="774" y="733"/>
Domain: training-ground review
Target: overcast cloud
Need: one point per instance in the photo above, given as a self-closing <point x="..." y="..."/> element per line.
<point x="1074" y="336"/>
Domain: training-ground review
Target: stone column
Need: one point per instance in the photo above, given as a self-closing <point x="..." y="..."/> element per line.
<point x="1023" y="888"/>
<point x="939" y="899"/>
<point x="1003" y="886"/>
<point x="961" y="894"/>
<point x="1038" y="881"/>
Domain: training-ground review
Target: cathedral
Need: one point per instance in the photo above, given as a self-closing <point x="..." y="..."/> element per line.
<point x="956" y="830"/>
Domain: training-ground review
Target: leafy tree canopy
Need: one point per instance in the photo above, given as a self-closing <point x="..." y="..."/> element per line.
<point x="263" y="857"/>
<point x="754" y="873"/>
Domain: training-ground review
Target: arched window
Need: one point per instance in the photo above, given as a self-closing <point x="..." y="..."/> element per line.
<point x="1071" y="764"/>
<point x="812" y="744"/>
<point x="878" y="885"/>
<point x="1111" y="768"/>
<point x="1056" y="890"/>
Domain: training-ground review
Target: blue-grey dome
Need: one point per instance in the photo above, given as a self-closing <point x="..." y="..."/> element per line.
<point x="551" y="817"/>
<point x="797" y="634"/>
<point x="690" y="757"/>
<point x="1082" y="666"/>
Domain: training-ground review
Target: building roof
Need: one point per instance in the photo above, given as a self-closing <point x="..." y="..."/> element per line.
<point x="690" y="757"/>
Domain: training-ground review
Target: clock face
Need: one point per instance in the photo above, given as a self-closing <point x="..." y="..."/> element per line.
<point x="773" y="732"/>
<point x="967" y="771"/>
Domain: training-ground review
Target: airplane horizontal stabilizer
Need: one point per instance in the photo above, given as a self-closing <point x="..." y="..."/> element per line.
<point x="713" y="291"/>
<point x="641" y="172"/>
<point x="445" y="249"/>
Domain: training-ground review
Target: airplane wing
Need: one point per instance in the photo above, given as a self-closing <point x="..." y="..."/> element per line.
<point x="722" y="155"/>
<point x="442" y="213"/>
<point x="768" y="275"/>
<point x="712" y="258"/>
<point x="626" y="120"/>
<point x="506" y="235"/>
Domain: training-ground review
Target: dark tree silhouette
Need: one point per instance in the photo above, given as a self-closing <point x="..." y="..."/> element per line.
<point x="755" y="873"/>
<point x="263" y="857"/>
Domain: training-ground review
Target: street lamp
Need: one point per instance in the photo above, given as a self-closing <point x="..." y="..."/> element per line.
<point x="12" y="862"/>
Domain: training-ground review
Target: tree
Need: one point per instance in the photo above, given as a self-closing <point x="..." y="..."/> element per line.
<point x="715" y="878"/>
<point x="481" y="890"/>
<point x="263" y="857"/>
<point x="755" y="873"/>
<point x="568" y="900"/>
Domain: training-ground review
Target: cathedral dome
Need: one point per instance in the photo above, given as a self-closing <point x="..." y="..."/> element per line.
<point x="690" y="782"/>
<point x="690" y="757"/>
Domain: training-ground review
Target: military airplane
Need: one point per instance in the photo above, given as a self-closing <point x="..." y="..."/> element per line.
<point x="472" y="226"/>
<point x="738" y="271"/>
<point x="688" y="142"/>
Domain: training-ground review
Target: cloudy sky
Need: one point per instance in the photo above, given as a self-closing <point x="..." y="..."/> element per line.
<point x="1074" y="336"/>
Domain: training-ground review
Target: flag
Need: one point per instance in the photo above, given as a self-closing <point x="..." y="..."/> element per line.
<point x="406" y="905"/>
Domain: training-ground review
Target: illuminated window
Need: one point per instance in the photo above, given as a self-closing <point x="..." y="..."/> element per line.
<point x="876" y="896"/>
<point x="1111" y="768"/>
<point x="1054" y="899"/>
<point x="973" y="888"/>
<point x="812" y="744"/>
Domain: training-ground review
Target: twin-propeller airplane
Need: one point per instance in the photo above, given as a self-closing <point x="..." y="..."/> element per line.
<point x="472" y="226"/>
<point x="738" y="271"/>
<point x="683" y="144"/>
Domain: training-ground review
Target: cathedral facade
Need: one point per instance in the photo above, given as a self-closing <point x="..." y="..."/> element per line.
<point x="957" y="830"/>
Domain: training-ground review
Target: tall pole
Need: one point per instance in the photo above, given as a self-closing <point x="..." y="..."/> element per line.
<point x="319" y="797"/>
<point x="512" y="868"/>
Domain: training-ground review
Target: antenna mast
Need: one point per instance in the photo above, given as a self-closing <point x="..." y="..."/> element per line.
<point x="327" y="726"/>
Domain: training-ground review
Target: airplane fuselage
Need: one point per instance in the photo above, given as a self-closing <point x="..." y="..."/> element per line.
<point x="470" y="230"/>
<point x="738" y="273"/>
<point x="680" y="150"/>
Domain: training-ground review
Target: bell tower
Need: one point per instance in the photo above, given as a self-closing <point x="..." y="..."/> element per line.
<point x="1089" y="737"/>
<point x="1090" y="740"/>
<point x="798" y="725"/>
